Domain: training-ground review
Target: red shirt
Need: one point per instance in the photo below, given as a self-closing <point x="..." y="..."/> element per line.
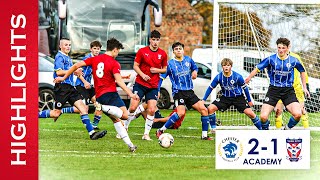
<point x="146" y="58"/>
<point x="103" y="69"/>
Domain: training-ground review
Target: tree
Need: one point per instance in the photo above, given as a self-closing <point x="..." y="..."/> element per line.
<point x="235" y="33"/>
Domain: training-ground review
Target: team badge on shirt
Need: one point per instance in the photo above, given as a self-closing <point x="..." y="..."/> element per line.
<point x="159" y="56"/>
<point x="187" y="64"/>
<point x="288" y="65"/>
<point x="232" y="81"/>
<point x="59" y="104"/>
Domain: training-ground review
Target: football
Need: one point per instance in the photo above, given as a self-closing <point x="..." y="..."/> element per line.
<point x="166" y="140"/>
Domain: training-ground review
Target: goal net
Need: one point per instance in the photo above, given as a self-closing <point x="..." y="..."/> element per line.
<point x="246" y="32"/>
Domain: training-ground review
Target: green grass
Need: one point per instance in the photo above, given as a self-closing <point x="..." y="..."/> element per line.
<point x="66" y="152"/>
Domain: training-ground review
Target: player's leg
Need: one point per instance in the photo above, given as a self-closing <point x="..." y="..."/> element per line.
<point x="278" y="114"/>
<point x="73" y="109"/>
<point x="61" y="96"/>
<point x="151" y="99"/>
<point x="222" y="104"/>
<point x="304" y="115"/>
<point x="115" y="100"/>
<point x="242" y="106"/>
<point x="49" y="113"/>
<point x="200" y="107"/>
<point x="266" y="109"/>
<point x="212" y="117"/>
<point x="293" y="106"/>
<point x="159" y="120"/>
<point x="123" y="133"/>
<point x="76" y="99"/>
<point x="295" y="110"/>
<point x="140" y="91"/>
<point x="97" y="116"/>
<point x="254" y="118"/>
<point x="98" y="109"/>
<point x="181" y="110"/>
<point x="272" y="97"/>
<point x="179" y="122"/>
<point x="141" y="109"/>
<point x="151" y="108"/>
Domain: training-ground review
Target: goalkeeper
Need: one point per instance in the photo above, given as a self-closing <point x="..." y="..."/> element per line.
<point x="300" y="96"/>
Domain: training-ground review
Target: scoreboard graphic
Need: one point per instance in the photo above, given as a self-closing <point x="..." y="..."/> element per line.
<point x="254" y="149"/>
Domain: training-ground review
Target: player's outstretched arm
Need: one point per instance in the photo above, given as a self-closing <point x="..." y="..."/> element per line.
<point x="120" y="82"/>
<point x="69" y="72"/>
<point x="251" y="75"/>
<point x="213" y="85"/>
<point x="87" y="85"/>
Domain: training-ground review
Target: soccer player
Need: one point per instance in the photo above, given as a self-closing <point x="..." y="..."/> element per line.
<point x="150" y="61"/>
<point x="300" y="96"/>
<point x="65" y="90"/>
<point x="280" y="67"/>
<point x="232" y="87"/>
<point x="181" y="70"/>
<point x="106" y="73"/>
<point x="83" y="83"/>
<point x="84" y="87"/>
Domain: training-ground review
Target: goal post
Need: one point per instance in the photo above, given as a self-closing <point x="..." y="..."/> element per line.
<point x="246" y="32"/>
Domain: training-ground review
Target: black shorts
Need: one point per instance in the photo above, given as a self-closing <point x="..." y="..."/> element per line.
<point x="63" y="93"/>
<point x="187" y="98"/>
<point x="239" y="102"/>
<point x="87" y="94"/>
<point x="274" y="94"/>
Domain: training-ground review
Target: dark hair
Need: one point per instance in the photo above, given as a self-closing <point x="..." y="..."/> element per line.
<point x="155" y="34"/>
<point x="283" y="41"/>
<point x="95" y="44"/>
<point x="176" y="44"/>
<point x="65" y="38"/>
<point x="226" y="61"/>
<point x="113" y="43"/>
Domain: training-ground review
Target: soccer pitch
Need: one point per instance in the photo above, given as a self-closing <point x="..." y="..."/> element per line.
<point x="66" y="152"/>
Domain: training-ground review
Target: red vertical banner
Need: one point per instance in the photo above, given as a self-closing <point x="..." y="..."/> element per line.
<point x="19" y="89"/>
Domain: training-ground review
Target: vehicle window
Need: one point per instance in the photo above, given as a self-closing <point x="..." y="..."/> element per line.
<point x="203" y="71"/>
<point x="45" y="65"/>
<point x="250" y="64"/>
<point x="126" y="61"/>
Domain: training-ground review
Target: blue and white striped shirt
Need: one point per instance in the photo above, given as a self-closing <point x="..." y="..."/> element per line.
<point x="281" y="72"/>
<point x="231" y="86"/>
<point x="179" y="73"/>
<point x="63" y="62"/>
<point x="87" y="73"/>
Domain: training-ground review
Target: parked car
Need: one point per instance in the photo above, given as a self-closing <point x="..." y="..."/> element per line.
<point x="46" y="96"/>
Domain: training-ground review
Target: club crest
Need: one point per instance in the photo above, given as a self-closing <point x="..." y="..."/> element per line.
<point x="294" y="147"/>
